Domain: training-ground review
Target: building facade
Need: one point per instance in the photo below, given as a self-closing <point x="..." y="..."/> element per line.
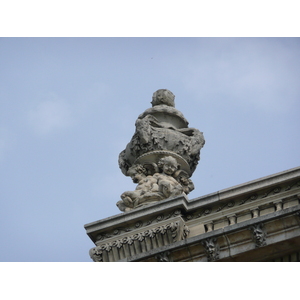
<point x="255" y="221"/>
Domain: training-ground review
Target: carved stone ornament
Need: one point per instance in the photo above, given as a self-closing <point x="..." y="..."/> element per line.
<point x="211" y="248"/>
<point x="259" y="235"/>
<point x="163" y="257"/>
<point x="140" y="240"/>
<point x="162" y="154"/>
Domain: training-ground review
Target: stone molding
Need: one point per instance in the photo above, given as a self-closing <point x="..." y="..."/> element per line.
<point x="205" y="205"/>
<point x="179" y="222"/>
<point x="140" y="240"/>
<point x="212" y="214"/>
<point x="138" y="224"/>
<point x="241" y="229"/>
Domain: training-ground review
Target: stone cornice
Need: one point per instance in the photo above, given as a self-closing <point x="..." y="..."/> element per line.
<point x="247" y="225"/>
<point x="246" y="188"/>
<point x="227" y="198"/>
<point x="126" y="219"/>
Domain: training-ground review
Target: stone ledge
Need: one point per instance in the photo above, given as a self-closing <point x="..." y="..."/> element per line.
<point x="129" y="218"/>
<point x="207" y="217"/>
<point x="196" y="240"/>
<point x="182" y="202"/>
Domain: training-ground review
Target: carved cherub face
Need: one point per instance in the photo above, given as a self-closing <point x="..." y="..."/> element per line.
<point x="163" y="96"/>
<point x="168" y="164"/>
<point x="136" y="173"/>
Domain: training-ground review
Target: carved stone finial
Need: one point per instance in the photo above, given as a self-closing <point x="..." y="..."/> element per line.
<point x="162" y="154"/>
<point x="163" y="97"/>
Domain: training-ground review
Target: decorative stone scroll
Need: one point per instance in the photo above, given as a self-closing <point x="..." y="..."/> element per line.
<point x="140" y="240"/>
<point x="162" y="154"/>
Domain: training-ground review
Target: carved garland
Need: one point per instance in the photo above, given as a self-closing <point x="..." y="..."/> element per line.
<point x="96" y="253"/>
<point x="138" y="224"/>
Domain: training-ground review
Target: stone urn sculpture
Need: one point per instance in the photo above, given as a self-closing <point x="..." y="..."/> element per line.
<point x="162" y="154"/>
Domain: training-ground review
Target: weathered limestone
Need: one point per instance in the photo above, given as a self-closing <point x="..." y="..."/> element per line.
<point x="254" y="221"/>
<point x="259" y="235"/>
<point x="162" y="154"/>
<point x="138" y="240"/>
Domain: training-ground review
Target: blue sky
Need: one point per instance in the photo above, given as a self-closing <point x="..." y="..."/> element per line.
<point x="68" y="108"/>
